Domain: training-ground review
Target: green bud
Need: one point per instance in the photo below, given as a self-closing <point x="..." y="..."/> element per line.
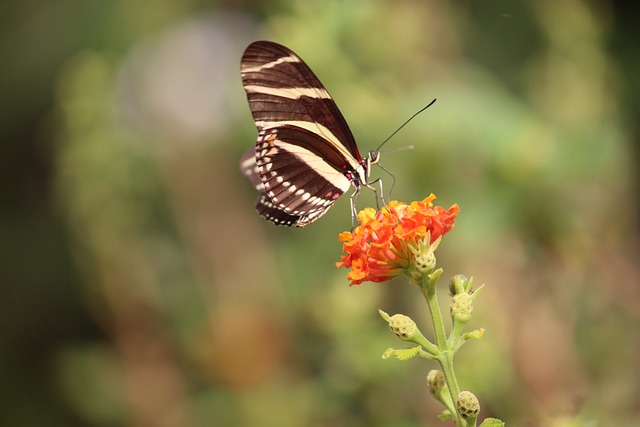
<point x="406" y="330"/>
<point x="435" y="382"/>
<point x="461" y="307"/>
<point x="425" y="262"/>
<point x="403" y="327"/>
<point x="467" y="404"/>
<point x="460" y="284"/>
<point x="424" y="257"/>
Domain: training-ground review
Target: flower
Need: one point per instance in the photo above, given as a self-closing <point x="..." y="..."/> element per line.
<point x="382" y="246"/>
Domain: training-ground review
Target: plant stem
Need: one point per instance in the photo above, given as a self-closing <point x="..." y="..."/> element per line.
<point x="445" y="358"/>
<point x="429" y="292"/>
<point x="446" y="363"/>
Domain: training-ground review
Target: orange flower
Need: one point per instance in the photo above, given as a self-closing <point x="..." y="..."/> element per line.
<point x="381" y="246"/>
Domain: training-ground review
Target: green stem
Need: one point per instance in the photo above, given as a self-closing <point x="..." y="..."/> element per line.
<point x="446" y="363"/>
<point x="445" y="358"/>
<point x="456" y="333"/>
<point x="429" y="292"/>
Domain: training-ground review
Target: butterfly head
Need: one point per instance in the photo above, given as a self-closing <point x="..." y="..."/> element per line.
<point x="367" y="162"/>
<point x="372" y="159"/>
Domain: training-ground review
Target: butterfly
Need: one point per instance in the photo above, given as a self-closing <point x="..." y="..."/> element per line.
<point x="305" y="156"/>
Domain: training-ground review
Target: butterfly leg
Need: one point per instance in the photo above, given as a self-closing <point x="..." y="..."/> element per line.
<point x="379" y="197"/>
<point x="381" y="192"/>
<point x="393" y="177"/>
<point x="353" y="201"/>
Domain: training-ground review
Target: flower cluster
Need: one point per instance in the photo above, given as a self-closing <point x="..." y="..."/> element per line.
<point x="382" y="246"/>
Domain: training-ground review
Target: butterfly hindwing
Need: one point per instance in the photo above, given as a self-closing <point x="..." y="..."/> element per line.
<point x="270" y="212"/>
<point x="249" y="167"/>
<point x="265" y="206"/>
<point x="296" y="179"/>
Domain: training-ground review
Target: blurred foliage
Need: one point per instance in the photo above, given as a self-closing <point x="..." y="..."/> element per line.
<point x="139" y="287"/>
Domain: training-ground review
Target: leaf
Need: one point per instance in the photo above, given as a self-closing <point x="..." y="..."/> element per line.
<point x="492" y="422"/>
<point x="384" y="315"/>
<point x="402" y="354"/>
<point x="476" y="335"/>
<point x="446" y="415"/>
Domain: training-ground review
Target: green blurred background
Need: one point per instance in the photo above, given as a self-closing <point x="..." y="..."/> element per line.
<point x="138" y="286"/>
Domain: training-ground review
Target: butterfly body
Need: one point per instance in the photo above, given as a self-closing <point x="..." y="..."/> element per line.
<point x="305" y="156"/>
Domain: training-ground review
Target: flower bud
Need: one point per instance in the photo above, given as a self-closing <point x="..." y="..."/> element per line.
<point x="467" y="404"/>
<point x="460" y="284"/>
<point x="403" y="327"/>
<point x="425" y="262"/>
<point x="435" y="382"/>
<point x="461" y="307"/>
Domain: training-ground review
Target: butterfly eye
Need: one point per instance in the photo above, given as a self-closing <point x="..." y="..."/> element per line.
<point x="374" y="157"/>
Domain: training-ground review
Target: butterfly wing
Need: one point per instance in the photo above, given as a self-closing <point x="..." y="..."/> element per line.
<point x="264" y="204"/>
<point x="305" y="153"/>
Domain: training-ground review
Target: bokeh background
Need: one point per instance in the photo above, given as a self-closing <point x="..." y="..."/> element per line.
<point x="139" y="288"/>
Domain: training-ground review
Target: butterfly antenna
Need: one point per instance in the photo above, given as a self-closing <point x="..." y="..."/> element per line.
<point x="405" y="123"/>
<point x="395" y="150"/>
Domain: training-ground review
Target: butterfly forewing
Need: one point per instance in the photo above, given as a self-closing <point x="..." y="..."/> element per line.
<point x="281" y="88"/>
<point x="305" y="155"/>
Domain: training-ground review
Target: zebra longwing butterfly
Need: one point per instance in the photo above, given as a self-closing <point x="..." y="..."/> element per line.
<point x="305" y="156"/>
